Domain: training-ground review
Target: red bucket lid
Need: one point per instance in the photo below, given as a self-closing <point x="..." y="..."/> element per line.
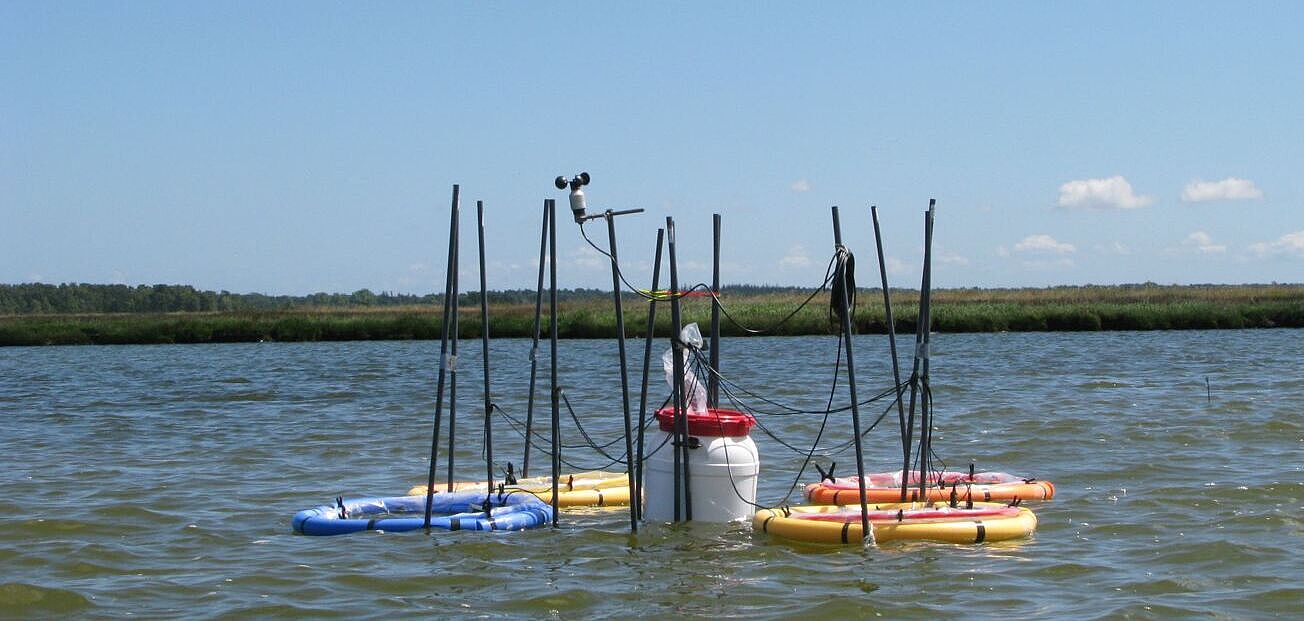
<point x="715" y="423"/>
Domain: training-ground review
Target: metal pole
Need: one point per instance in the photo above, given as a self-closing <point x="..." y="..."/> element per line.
<point x="452" y="361"/>
<point x="926" y="324"/>
<point x="682" y="474"/>
<point x="845" y="307"/>
<point x="484" y="345"/>
<point x="624" y="371"/>
<point x="712" y="379"/>
<point x="552" y="339"/>
<point x="891" y="339"/>
<point x="636" y="488"/>
<point x="443" y="360"/>
<point x="920" y="330"/>
<point x="534" y="345"/>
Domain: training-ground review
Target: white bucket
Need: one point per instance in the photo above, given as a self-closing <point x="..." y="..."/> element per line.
<point x="722" y="471"/>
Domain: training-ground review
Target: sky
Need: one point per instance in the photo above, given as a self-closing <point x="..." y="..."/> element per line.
<point x="296" y="147"/>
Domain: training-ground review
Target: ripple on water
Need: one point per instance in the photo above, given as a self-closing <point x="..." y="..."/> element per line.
<point x="1102" y="384"/>
<point x="29" y="600"/>
<point x="160" y="482"/>
<point x="237" y="396"/>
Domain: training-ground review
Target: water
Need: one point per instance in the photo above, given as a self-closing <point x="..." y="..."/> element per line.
<point x="159" y="481"/>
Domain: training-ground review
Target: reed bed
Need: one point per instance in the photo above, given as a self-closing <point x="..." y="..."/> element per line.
<point x="1139" y="307"/>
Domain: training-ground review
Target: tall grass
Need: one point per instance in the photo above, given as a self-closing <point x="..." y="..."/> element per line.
<point x="954" y="310"/>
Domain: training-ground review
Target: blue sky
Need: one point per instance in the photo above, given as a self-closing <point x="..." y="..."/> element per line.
<point x="305" y="147"/>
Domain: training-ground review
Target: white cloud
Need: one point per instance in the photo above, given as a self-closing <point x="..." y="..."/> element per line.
<point x="953" y="259"/>
<point x="1044" y="244"/>
<point x="1229" y="189"/>
<point x="1290" y="244"/>
<point x="1049" y="264"/>
<point x="801" y="185"/>
<point x="795" y="259"/>
<point x="587" y="258"/>
<point x="1113" y="248"/>
<point x="1201" y="242"/>
<point x="897" y="267"/>
<point x="1112" y="193"/>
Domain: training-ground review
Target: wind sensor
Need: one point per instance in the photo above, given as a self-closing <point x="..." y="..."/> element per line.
<point x="577" y="201"/>
<point x="579" y="204"/>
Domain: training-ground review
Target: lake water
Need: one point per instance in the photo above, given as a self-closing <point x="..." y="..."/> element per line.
<point x="159" y="481"/>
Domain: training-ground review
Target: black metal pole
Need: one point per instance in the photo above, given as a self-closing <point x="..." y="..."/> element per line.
<point x="534" y="345"/>
<point x="891" y="340"/>
<point x="484" y="344"/>
<point x="712" y="379"/>
<point x="926" y="325"/>
<point x="552" y="338"/>
<point x="443" y="353"/>
<point x="920" y="330"/>
<point x="636" y="489"/>
<point x="682" y="470"/>
<point x="624" y="370"/>
<point x="845" y="307"/>
<point x="452" y="360"/>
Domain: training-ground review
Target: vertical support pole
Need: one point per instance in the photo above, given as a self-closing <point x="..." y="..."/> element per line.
<point x="552" y="338"/>
<point x="891" y="340"/>
<point x="534" y="345"/>
<point x="920" y="330"/>
<point x="923" y="353"/>
<point x="636" y="485"/>
<point x="452" y="361"/>
<point x="682" y="471"/>
<point x="443" y="355"/>
<point x="624" y="369"/>
<point x="713" y="380"/>
<point x="484" y="344"/>
<point x="845" y="308"/>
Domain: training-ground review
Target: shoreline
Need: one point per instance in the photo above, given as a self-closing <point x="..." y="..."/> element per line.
<point x="1058" y="309"/>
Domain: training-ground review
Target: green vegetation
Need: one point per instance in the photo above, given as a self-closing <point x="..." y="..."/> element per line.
<point x="74" y="298"/>
<point x="588" y="314"/>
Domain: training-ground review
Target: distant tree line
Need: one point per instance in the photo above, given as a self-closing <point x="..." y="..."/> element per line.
<point x="71" y="298"/>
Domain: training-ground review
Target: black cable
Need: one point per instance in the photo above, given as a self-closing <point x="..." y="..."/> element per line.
<point x="829" y="275"/>
<point x="837" y="366"/>
<point x="517" y="427"/>
<point x="724" y="381"/>
<point x="585" y="434"/>
<point x="828" y="278"/>
<point x="619" y="272"/>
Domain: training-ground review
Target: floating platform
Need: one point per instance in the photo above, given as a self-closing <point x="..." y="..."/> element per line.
<point x="886" y="487"/>
<point x="594" y="488"/>
<point x="467" y="510"/>
<point x="910" y="521"/>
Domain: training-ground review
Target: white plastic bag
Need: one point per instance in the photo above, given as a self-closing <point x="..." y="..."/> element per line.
<point x="695" y="392"/>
